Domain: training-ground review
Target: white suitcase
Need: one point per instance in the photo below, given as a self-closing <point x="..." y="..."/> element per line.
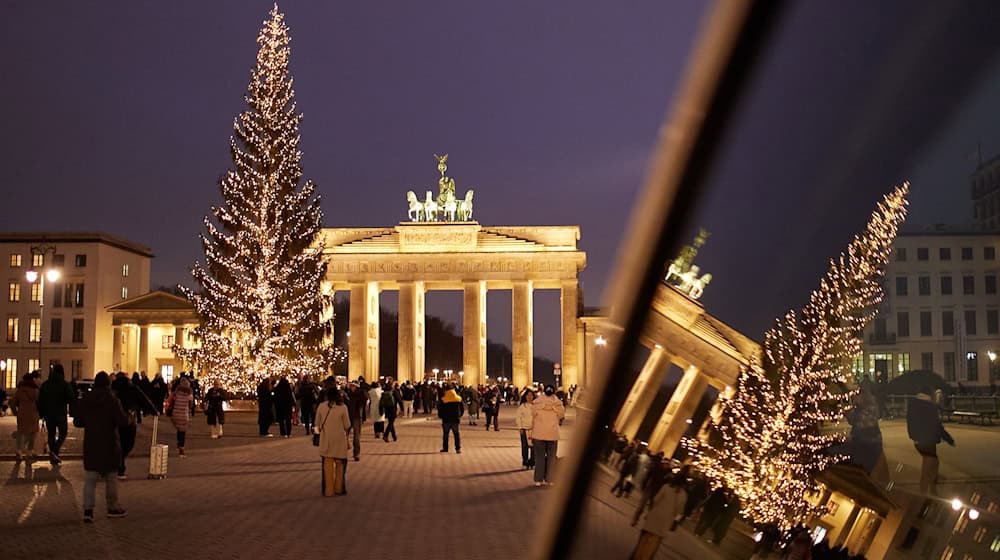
<point x="157" y="454"/>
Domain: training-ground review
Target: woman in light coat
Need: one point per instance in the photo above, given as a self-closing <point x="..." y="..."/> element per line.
<point x="378" y="419"/>
<point x="668" y="506"/>
<point x="524" y="420"/>
<point x="547" y="411"/>
<point x="25" y="405"/>
<point x="332" y="424"/>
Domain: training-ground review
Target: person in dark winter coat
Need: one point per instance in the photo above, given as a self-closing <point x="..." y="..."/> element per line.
<point x="923" y="424"/>
<point x="629" y="466"/>
<point x="158" y="392"/>
<point x="491" y="408"/>
<point x="389" y="405"/>
<point x="357" y="403"/>
<point x="284" y="402"/>
<point x="100" y="415"/>
<point x="307" y="394"/>
<point x="54" y="399"/>
<point x="265" y="404"/>
<point x="133" y="403"/>
<point x="215" y="413"/>
<point x="450" y="411"/>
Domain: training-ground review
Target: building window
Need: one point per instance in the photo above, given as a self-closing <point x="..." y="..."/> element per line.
<point x="972" y="366"/>
<point x="923" y="253"/>
<point x="59" y="260"/>
<point x="944" y="253"/>
<point x="12" y="324"/>
<point x="11" y="368"/>
<point x="15" y="260"/>
<point x="57" y="295"/>
<point x="33" y="364"/>
<point x="991" y="284"/>
<point x="927" y="361"/>
<point x="36" y="291"/>
<point x="68" y="295"/>
<point x="77" y="330"/>
<point x="946" y="285"/>
<point x="925" y="323"/>
<point x="949" y="366"/>
<point x="78" y="295"/>
<point x="37" y="261"/>
<point x="969" y="285"/>
<point x="81" y="261"/>
<point x="924" y="285"/>
<point x="124" y="271"/>
<point x="901" y="254"/>
<point x="167" y="341"/>
<point x="989" y="253"/>
<point x="76" y="369"/>
<point x="903" y="362"/>
<point x="901" y="286"/>
<point x="858" y="366"/>
<point x="14" y="291"/>
<point x="966" y="253"/>
<point x="124" y="292"/>
<point x="903" y="323"/>
<point x="947" y="323"/>
<point x="992" y="324"/>
<point x="35" y="330"/>
<point x="55" y="330"/>
<point x="970" y="322"/>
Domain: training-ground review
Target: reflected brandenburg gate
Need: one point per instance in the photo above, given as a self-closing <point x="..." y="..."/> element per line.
<point x="433" y="251"/>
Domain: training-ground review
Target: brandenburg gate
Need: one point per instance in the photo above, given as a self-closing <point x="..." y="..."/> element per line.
<point x="443" y="248"/>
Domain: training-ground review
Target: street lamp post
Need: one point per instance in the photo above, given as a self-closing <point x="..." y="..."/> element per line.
<point x="32" y="276"/>
<point x="435" y="370"/>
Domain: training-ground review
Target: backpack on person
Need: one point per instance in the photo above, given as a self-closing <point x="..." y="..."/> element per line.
<point x="387" y="403"/>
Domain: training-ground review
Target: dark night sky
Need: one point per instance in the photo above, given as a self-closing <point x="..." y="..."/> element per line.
<point x="118" y="115"/>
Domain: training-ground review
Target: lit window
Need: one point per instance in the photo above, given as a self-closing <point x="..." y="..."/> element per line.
<point x="37" y="261"/>
<point x="124" y="271"/>
<point x="36" y="291"/>
<point x="34" y="330"/>
<point x="167" y="342"/>
<point x="33" y="364"/>
<point x="15" y="260"/>
<point x="11" y="367"/>
<point x="12" y="329"/>
<point x="124" y="292"/>
<point x="14" y="291"/>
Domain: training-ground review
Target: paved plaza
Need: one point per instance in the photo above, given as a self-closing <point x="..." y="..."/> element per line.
<point x="244" y="494"/>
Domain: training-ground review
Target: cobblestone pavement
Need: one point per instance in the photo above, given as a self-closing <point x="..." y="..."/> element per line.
<point x="244" y="495"/>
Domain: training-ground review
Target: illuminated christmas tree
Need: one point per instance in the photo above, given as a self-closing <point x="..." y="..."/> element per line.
<point x="770" y="440"/>
<point x="259" y="299"/>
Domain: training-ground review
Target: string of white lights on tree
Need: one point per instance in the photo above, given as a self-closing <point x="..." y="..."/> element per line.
<point x="770" y="441"/>
<point x="259" y="302"/>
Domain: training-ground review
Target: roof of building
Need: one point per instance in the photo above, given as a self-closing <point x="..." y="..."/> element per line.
<point x="949" y="230"/>
<point x="76" y="237"/>
<point x="153" y="301"/>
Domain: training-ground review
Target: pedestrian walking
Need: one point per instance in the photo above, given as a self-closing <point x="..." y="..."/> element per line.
<point x="450" y="411"/>
<point x="357" y="402"/>
<point x="100" y="415"/>
<point x="179" y="409"/>
<point x="661" y="519"/>
<point x="129" y="398"/>
<point x="374" y="400"/>
<point x="308" y="394"/>
<point x="388" y="406"/>
<point x="547" y="411"/>
<point x="659" y="472"/>
<point x="332" y="426"/>
<point x="523" y="420"/>
<point x="215" y="413"/>
<point x="284" y="404"/>
<point x="158" y="392"/>
<point x="472" y="397"/>
<point x="924" y="427"/>
<point x="491" y="407"/>
<point x="408" y="393"/>
<point x="54" y="399"/>
<point x="265" y="407"/>
<point x="25" y="406"/>
<point x="628" y="467"/>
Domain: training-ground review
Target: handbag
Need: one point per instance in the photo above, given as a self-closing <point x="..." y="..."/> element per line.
<point x="170" y="406"/>
<point x="323" y="427"/>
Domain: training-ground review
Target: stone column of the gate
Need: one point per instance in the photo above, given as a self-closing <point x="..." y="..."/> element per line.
<point x="474" y="332"/>
<point x="570" y="344"/>
<point x="411" y="332"/>
<point x="363" y="346"/>
<point x="674" y="420"/>
<point x="643" y="393"/>
<point x="522" y="337"/>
